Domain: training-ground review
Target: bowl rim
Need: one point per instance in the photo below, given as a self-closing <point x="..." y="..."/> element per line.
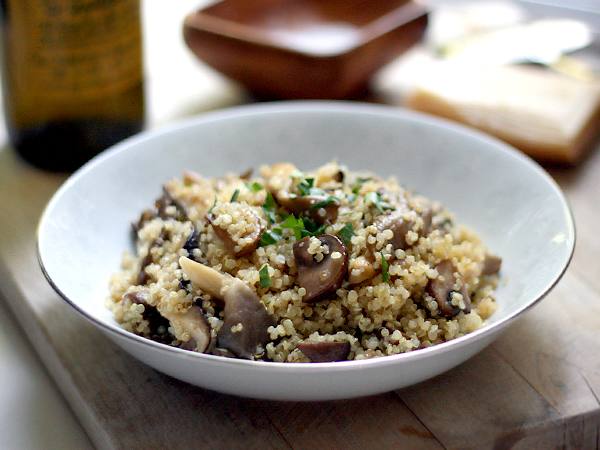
<point x="400" y="16"/>
<point x="304" y="106"/>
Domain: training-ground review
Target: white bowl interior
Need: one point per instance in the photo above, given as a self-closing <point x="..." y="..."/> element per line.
<point x="506" y="198"/>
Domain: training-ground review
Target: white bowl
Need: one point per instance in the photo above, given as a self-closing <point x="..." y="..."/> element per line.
<point x="514" y="205"/>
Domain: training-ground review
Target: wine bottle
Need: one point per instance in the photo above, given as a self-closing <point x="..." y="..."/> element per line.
<point x="72" y="77"/>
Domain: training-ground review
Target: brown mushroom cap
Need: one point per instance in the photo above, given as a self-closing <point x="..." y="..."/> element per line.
<point x="320" y="278"/>
<point x="300" y="204"/>
<point x="242" y="306"/>
<point x="143" y="277"/>
<point x="395" y="221"/>
<point x="167" y="200"/>
<point x="491" y="264"/>
<point x="193" y="323"/>
<point x="325" y="351"/>
<point x="365" y="270"/>
<point x="443" y="287"/>
<point x="427" y="216"/>
<point x="157" y="324"/>
<point x="146" y="216"/>
<point x="400" y="226"/>
<point x="230" y="244"/>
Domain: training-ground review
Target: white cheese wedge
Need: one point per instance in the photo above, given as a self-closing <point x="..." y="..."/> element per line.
<point x="549" y="116"/>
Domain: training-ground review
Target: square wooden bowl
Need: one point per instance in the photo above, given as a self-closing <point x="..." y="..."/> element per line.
<point x="304" y="48"/>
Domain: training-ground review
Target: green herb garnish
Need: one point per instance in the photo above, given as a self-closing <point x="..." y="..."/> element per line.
<point x="269" y="208"/>
<point x="385" y="274"/>
<point x="269" y="201"/>
<point x="270" y="237"/>
<point x="235" y="195"/>
<point x="265" y="278"/>
<point x="213" y="205"/>
<point x="376" y="200"/>
<point x="254" y="187"/>
<point x="295" y="224"/>
<point x="305" y="186"/>
<point x="322" y="204"/>
<point x="358" y="184"/>
<point x="346" y="233"/>
<point x="311" y="228"/>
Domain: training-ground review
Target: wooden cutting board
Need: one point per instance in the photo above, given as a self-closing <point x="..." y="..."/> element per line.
<point x="536" y="387"/>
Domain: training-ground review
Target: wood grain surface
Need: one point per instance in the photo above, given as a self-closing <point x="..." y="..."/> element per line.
<point x="538" y="386"/>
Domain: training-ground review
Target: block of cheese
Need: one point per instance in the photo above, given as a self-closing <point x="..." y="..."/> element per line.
<point x="548" y="115"/>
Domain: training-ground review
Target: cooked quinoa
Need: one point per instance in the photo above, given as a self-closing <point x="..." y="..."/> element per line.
<point x="295" y="266"/>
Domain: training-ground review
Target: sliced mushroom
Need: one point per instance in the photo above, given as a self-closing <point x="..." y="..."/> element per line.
<point x="400" y="226"/>
<point x="167" y="200"/>
<point x="144" y="218"/>
<point x="308" y="204"/>
<point x="444" y="288"/>
<point x="217" y="351"/>
<point x="193" y="323"/>
<point x="325" y="276"/>
<point x="246" y="174"/>
<point x="242" y="307"/>
<point x="244" y="244"/>
<point x="325" y="351"/>
<point x="191" y="177"/>
<point x="143" y="277"/>
<point x="443" y="223"/>
<point x="206" y="278"/>
<point x="491" y="264"/>
<point x="360" y="269"/>
<point x="427" y="216"/>
<point x="138" y="297"/>
<point x="192" y="242"/>
<point x="157" y="324"/>
<point x="395" y="221"/>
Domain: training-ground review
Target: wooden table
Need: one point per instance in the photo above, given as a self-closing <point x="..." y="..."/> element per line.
<point x="538" y="386"/>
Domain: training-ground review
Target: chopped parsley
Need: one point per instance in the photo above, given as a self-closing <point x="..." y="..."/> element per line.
<point x="375" y="199"/>
<point x="322" y="204"/>
<point x="213" y="205"/>
<point x="305" y="186"/>
<point x="358" y="184"/>
<point x="346" y="233"/>
<point x="385" y="274"/>
<point x="311" y="228"/>
<point x="295" y="224"/>
<point x="254" y="187"/>
<point x="270" y="237"/>
<point x="269" y="207"/>
<point x="303" y="227"/>
<point x="235" y="195"/>
<point x="265" y="278"/>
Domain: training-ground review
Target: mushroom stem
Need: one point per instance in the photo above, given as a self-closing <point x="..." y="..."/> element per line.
<point x="206" y="278"/>
<point x="243" y="309"/>
<point x="193" y="322"/>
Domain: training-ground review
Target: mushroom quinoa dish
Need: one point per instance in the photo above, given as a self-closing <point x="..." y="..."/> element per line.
<point x="327" y="265"/>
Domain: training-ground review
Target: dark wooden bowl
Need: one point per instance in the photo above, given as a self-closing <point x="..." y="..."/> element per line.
<point x="303" y="48"/>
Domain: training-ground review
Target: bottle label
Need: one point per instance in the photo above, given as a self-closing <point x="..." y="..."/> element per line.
<point x="63" y="53"/>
